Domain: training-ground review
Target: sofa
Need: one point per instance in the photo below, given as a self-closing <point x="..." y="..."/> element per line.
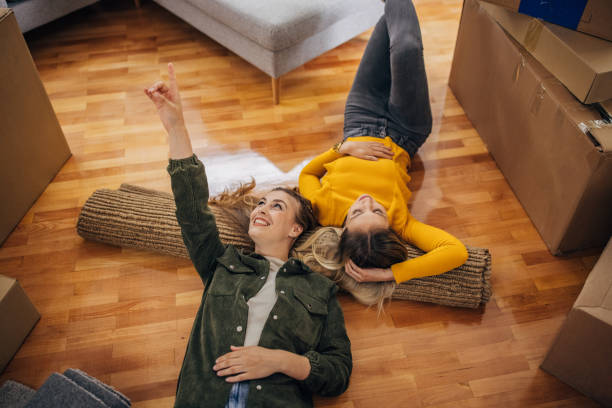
<point x="277" y="36"/>
<point x="34" y="13"/>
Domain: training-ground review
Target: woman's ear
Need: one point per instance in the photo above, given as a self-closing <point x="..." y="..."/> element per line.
<point x="296" y="230"/>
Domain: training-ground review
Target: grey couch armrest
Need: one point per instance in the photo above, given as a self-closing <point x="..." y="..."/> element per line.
<point x="3" y="3"/>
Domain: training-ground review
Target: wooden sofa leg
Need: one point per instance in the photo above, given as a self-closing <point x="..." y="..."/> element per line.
<point x="275" y="90"/>
<point x="137" y="3"/>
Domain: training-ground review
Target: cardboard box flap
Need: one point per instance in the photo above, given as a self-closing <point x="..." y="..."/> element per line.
<point x="597" y="290"/>
<point x="593" y="51"/>
<point x="599" y="313"/>
<point x="4" y="12"/>
<point x="581" y="62"/>
<point x="17" y="317"/>
<point x="6" y="284"/>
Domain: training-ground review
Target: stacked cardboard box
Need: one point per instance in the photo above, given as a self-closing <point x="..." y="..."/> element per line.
<point x="581" y="355"/>
<point x="588" y="16"/>
<point x="555" y="152"/>
<point x="583" y="63"/>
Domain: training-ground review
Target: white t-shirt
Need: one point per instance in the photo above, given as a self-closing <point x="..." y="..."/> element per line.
<point x="261" y="304"/>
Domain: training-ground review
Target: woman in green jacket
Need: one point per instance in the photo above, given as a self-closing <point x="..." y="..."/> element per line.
<point x="269" y="332"/>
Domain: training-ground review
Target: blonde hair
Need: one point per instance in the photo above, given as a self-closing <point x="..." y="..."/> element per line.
<point x="319" y="250"/>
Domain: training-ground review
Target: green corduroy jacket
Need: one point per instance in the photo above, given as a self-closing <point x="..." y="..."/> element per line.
<point x="306" y="319"/>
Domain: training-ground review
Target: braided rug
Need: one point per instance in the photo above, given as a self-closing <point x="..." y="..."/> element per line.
<point x="136" y="217"/>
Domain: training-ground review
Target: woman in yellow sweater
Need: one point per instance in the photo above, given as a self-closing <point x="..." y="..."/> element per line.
<point x="361" y="183"/>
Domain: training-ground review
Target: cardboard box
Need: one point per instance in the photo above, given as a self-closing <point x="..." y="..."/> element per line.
<point x="587" y="16"/>
<point x="581" y="355"/>
<point x="555" y="152"/>
<point x="606" y="106"/>
<point x="17" y="318"/>
<point x="582" y="62"/>
<point x="32" y="145"/>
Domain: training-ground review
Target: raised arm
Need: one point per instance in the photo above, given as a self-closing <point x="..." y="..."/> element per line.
<point x="188" y="179"/>
<point x="167" y="100"/>
<point x="198" y="225"/>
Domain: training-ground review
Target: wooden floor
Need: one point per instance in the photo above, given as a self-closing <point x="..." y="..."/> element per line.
<point x="124" y="315"/>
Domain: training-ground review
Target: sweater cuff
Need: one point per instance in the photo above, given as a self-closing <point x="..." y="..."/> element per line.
<point x="313" y="381"/>
<point x="175" y="165"/>
<point x="397" y="273"/>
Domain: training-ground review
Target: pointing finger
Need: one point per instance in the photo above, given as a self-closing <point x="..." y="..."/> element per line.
<point x="172" y="79"/>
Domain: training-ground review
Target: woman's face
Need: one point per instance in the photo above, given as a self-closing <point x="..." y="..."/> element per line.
<point x="273" y="220"/>
<point x="366" y="214"/>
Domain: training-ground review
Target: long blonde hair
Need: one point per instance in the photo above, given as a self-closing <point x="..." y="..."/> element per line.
<point x="319" y="250"/>
<point x="238" y="203"/>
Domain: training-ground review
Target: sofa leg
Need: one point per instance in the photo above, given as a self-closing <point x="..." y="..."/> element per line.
<point x="137" y="3"/>
<point x="275" y="90"/>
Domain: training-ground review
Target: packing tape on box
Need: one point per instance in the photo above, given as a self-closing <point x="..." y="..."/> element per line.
<point x="537" y="99"/>
<point x="600" y="132"/>
<point x="519" y="69"/>
<point x="532" y="36"/>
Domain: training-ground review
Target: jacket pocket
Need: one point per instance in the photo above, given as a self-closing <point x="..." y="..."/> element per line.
<point x="311" y="313"/>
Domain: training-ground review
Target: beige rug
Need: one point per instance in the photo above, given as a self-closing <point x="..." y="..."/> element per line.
<point x="140" y="218"/>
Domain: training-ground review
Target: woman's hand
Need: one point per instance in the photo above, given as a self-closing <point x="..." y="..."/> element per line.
<point x="167" y="100"/>
<point x="366" y="150"/>
<point x="253" y="362"/>
<point x="368" y="274"/>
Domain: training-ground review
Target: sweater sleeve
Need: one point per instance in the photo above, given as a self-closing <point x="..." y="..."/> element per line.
<point x="197" y="222"/>
<point x="443" y="252"/>
<point x="310" y="177"/>
<point x="332" y="362"/>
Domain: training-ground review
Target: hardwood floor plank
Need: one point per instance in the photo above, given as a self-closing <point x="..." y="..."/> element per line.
<point x="124" y="315"/>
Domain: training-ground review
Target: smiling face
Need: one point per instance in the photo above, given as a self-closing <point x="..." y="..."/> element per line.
<point x="366" y="214"/>
<point x="273" y="221"/>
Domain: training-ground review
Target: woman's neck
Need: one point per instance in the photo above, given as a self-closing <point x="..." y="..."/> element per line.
<point x="275" y="251"/>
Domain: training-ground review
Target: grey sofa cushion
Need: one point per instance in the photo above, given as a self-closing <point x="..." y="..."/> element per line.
<point x="279" y="24"/>
<point x="33" y="13"/>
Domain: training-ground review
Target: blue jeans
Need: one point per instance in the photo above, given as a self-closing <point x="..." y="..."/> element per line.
<point x="238" y="395"/>
<point x="389" y="96"/>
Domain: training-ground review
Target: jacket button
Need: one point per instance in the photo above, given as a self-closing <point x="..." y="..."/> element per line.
<point x="263" y="277"/>
<point x="275" y="317"/>
<point x="284" y="270"/>
<point x="282" y="292"/>
<point x="232" y="267"/>
<point x="239" y="328"/>
<point x="258" y="387"/>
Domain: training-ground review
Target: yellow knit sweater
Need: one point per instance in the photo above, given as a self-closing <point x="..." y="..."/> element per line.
<point x="332" y="182"/>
